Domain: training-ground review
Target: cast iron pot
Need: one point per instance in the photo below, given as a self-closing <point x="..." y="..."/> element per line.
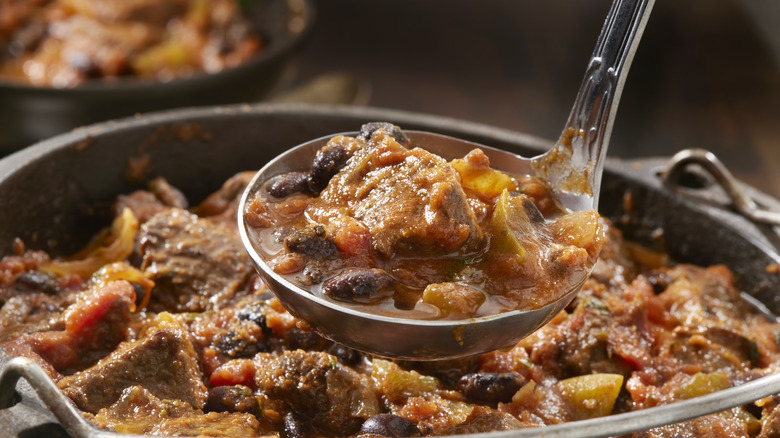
<point x="29" y="114"/>
<point x="55" y="195"/>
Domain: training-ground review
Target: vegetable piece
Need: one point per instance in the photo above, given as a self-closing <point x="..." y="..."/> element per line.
<point x="123" y="271"/>
<point x="397" y="384"/>
<point x="511" y="226"/>
<point x="476" y="175"/>
<point x="702" y="384"/>
<point x="591" y="395"/>
<point x="109" y="246"/>
<point x="454" y="300"/>
<point x="581" y="229"/>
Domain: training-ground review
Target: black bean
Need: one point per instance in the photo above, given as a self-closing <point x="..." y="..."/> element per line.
<point x="390" y="425"/>
<point x="288" y="184"/>
<point x="313" y="242"/>
<point x="83" y="63"/>
<point x="369" y="128"/>
<point x="233" y="345"/>
<point x="294" y="427"/>
<point x="490" y="387"/>
<point x="327" y="162"/>
<point x="361" y="285"/>
<point x="254" y="313"/>
<point x="140" y="293"/>
<point x="346" y="355"/>
<point x="236" y="398"/>
<point x="659" y="281"/>
<point x="298" y="339"/>
<point x="37" y="281"/>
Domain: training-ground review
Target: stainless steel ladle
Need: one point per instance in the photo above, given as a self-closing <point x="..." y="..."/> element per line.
<point x="573" y="169"/>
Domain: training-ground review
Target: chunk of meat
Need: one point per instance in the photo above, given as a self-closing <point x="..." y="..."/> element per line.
<point x="222" y="205"/>
<point x="482" y="420"/>
<point x="138" y="411"/>
<point x="144" y="204"/>
<point x="93" y="327"/>
<point x="196" y="265"/>
<point x="163" y="362"/>
<point x="374" y="188"/>
<point x="332" y="397"/>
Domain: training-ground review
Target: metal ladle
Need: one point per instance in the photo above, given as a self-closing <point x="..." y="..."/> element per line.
<point x="572" y="167"/>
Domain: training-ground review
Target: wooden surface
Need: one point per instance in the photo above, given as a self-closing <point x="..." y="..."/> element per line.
<point x="704" y="75"/>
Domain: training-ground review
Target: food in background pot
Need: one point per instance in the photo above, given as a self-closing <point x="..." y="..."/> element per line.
<point x="63" y="43"/>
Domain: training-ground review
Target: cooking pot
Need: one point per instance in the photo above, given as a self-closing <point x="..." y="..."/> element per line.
<point x="29" y="113"/>
<point x="55" y="195"/>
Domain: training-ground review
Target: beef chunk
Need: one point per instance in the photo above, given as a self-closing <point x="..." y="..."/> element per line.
<point x="615" y="267"/>
<point x="482" y="420"/>
<point x="144" y="204"/>
<point x="408" y="199"/>
<point x="163" y="362"/>
<point x="222" y="205"/>
<point x="332" y="397"/>
<point x="138" y="411"/>
<point x="196" y="265"/>
<point x="90" y="328"/>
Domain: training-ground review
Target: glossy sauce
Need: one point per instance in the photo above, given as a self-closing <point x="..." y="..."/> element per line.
<point x="412" y="235"/>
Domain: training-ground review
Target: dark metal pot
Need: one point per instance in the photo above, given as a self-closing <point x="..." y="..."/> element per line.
<point x="29" y="114"/>
<point x="55" y="195"/>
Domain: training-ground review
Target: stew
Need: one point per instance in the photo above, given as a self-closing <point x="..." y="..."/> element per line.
<point x="63" y="43"/>
<point x="160" y="326"/>
<point x="389" y="228"/>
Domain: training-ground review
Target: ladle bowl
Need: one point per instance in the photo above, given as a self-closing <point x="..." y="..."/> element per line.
<point x="572" y="168"/>
<point x="391" y="336"/>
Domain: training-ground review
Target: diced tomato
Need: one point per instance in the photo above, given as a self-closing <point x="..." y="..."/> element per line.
<point x="235" y="372"/>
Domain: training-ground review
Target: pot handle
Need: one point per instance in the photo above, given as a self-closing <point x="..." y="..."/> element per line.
<point x="55" y="401"/>
<point x="709" y="162"/>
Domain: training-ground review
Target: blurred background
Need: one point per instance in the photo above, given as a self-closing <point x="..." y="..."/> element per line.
<point x="706" y="74"/>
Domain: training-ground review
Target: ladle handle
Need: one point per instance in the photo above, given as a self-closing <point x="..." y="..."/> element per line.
<point x="585" y="137"/>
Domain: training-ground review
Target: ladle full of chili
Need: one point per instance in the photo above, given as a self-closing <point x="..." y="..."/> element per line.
<point x="572" y="168"/>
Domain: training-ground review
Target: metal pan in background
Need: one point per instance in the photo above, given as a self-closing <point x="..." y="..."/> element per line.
<point x="55" y="195"/>
<point x="29" y="114"/>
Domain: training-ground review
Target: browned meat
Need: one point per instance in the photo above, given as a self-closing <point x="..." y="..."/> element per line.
<point x="221" y="206"/>
<point x="163" y="362"/>
<point x="138" y="411"/>
<point x="707" y="426"/>
<point x="771" y="424"/>
<point x="333" y="398"/>
<point x="615" y="266"/>
<point x="373" y="186"/>
<point x="146" y="203"/>
<point x="93" y="327"/>
<point x="196" y="265"/>
<point x="482" y="420"/>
